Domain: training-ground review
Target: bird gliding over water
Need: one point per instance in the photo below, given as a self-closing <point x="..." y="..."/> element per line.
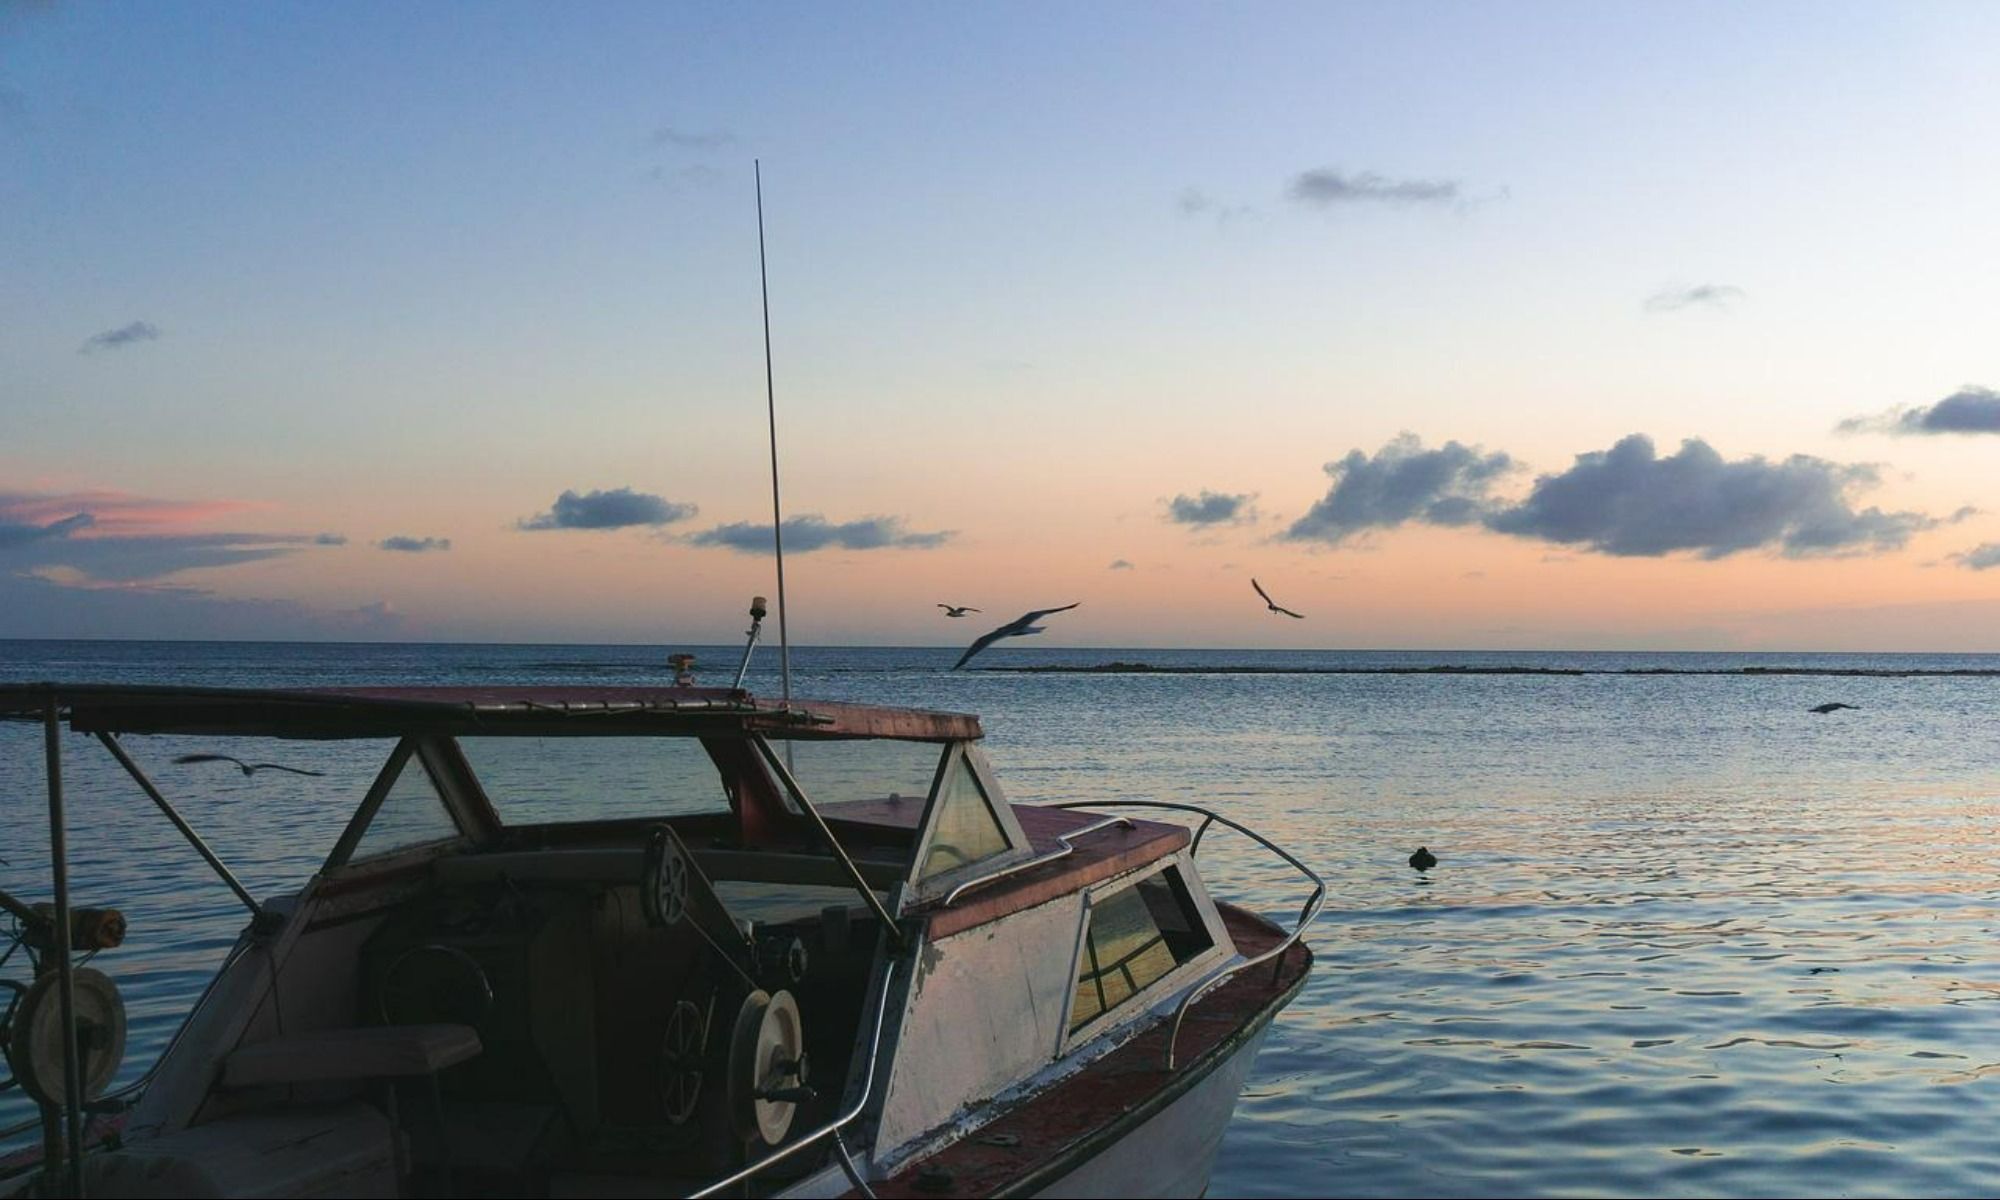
<point x="1020" y="627"/>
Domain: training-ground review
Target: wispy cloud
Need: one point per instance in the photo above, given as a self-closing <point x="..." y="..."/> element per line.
<point x="619" y="508"/>
<point x="20" y="533"/>
<point x="414" y="545"/>
<point x="1399" y="483"/>
<point x="121" y="337"/>
<point x="111" y="537"/>
<point x="1980" y="558"/>
<point x="117" y="512"/>
<point x="1629" y="501"/>
<point x="38" y="607"/>
<point x="675" y="137"/>
<point x="1212" y="508"/>
<point x="1193" y="202"/>
<point x="1326" y="187"/>
<point x="1120" y="564"/>
<point x="804" y="534"/>
<point x="330" y="539"/>
<point x="1970" y="409"/>
<point x="1704" y="295"/>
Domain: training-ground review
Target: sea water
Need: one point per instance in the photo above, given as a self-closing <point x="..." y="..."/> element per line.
<point x="1683" y="937"/>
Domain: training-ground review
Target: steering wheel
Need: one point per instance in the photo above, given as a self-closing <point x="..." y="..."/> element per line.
<point x="667" y="879"/>
<point x="453" y="988"/>
<point x="682" y="1050"/>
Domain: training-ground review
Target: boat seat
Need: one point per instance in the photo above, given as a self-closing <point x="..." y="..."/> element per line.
<point x="338" y="1150"/>
<point x="328" y="1055"/>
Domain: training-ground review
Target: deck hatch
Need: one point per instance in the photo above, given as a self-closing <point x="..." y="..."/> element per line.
<point x="1133" y="938"/>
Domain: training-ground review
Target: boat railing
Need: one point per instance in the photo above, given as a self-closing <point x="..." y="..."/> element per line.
<point x="1307" y="911"/>
<point x="831" y="1128"/>
<point x="1065" y="846"/>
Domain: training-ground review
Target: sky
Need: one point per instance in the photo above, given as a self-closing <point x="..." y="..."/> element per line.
<point x="1455" y="325"/>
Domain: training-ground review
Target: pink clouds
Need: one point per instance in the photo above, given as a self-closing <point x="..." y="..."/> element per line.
<point x="114" y="513"/>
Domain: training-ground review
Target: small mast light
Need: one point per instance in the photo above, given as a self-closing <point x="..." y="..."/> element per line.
<point x="757" y="611"/>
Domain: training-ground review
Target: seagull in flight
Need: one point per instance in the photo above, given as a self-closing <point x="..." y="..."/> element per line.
<point x="956" y="610"/>
<point x="247" y="768"/>
<point x="1273" y="604"/>
<point x="1016" y="628"/>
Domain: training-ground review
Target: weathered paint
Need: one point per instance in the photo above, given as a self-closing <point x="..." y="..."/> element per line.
<point x="964" y="1039"/>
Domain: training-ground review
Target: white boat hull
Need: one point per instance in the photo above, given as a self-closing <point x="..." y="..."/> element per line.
<point x="1171" y="1153"/>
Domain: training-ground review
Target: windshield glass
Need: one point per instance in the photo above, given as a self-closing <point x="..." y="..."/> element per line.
<point x="876" y="769"/>
<point x="536" y="780"/>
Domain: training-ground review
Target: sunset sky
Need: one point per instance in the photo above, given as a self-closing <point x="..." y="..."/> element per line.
<point x="1456" y="325"/>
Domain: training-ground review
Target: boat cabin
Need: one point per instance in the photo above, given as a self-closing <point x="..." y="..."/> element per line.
<point x="595" y="941"/>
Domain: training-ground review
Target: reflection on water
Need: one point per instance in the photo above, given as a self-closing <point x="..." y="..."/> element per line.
<point x="1684" y="938"/>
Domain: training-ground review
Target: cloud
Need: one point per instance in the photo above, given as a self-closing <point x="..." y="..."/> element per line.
<point x="1970" y="409"/>
<point x="1628" y="501"/>
<point x="1211" y="508"/>
<point x="330" y="539"/>
<point x="121" y="337"/>
<point x="689" y="139"/>
<point x="20" y="533"/>
<point x="414" y="545"/>
<point x="1980" y="558"/>
<point x="1325" y="187"/>
<point x="1705" y="295"/>
<point x="1119" y="564"/>
<point x="36" y="607"/>
<point x="1401" y="482"/>
<point x="108" y="537"/>
<point x="116" y="512"/>
<point x="804" y="534"/>
<point x="1193" y="202"/>
<point x="619" y="508"/>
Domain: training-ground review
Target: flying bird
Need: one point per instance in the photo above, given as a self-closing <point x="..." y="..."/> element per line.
<point x="1273" y="604"/>
<point x="1021" y="627"/>
<point x="1823" y="709"/>
<point x="956" y="610"/>
<point x="246" y="768"/>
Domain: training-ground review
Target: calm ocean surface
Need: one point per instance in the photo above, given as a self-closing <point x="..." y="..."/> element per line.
<point x="1684" y="938"/>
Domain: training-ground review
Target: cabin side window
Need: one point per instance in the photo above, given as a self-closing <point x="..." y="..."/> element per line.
<point x="1132" y="938"/>
<point x="965" y="830"/>
<point x="412" y="812"/>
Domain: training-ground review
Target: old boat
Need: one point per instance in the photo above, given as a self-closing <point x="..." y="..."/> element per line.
<point x="589" y="941"/>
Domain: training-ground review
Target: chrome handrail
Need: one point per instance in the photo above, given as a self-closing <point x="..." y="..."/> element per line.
<point x="1062" y="839"/>
<point x="834" y="1126"/>
<point x="1307" y="912"/>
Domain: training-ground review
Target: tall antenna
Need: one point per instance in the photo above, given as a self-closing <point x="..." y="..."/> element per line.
<point x="771" y="407"/>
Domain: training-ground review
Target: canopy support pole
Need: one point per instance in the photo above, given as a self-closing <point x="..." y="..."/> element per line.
<point x="791" y="785"/>
<point x="112" y="744"/>
<point x="71" y="1156"/>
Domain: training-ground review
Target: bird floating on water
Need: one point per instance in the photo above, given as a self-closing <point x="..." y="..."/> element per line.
<point x="247" y="768"/>
<point x="1020" y="627"/>
<point x="956" y="610"/>
<point x="1273" y="605"/>
<point x="1423" y="859"/>
<point x="1823" y="709"/>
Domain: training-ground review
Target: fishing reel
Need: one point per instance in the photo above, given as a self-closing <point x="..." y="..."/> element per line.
<point x="33" y="1034"/>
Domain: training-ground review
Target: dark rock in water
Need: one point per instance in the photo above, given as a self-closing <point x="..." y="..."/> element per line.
<point x="1823" y="709"/>
<point x="1423" y="859"/>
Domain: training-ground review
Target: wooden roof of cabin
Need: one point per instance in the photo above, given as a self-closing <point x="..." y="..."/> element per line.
<point x="542" y="710"/>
